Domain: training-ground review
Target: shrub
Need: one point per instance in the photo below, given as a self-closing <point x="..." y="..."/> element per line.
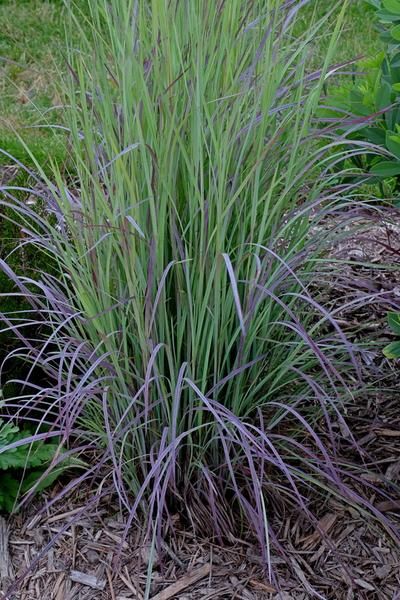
<point x="182" y="340"/>
<point x="372" y="102"/>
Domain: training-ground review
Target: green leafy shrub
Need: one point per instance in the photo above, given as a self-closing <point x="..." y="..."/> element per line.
<point x="22" y="465"/>
<point x="388" y="17"/>
<point x="374" y="98"/>
<point x="378" y="94"/>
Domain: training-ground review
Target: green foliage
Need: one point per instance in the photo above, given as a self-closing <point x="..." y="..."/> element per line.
<point x="392" y="350"/>
<point x="388" y="16"/>
<point x="374" y="95"/>
<point x="24" y="464"/>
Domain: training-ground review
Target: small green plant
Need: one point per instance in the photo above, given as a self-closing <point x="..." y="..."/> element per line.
<point x="23" y="464"/>
<point x="376" y="98"/>
<point x="372" y="101"/>
<point x="392" y="350"/>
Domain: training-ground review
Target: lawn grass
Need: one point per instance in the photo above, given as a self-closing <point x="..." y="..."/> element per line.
<point x="31" y="56"/>
<point x="359" y="36"/>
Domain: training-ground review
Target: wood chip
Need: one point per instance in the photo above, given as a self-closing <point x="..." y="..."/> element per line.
<point x="129" y="585"/>
<point x="117" y="539"/>
<point x="389" y="432"/>
<point x="89" y="580"/>
<point x="383" y="571"/>
<point x="110" y="584"/>
<point x="365" y="585"/>
<point x="265" y="587"/>
<point x="59" y="588"/>
<point x="388" y="505"/>
<point x="6" y="570"/>
<point x="324" y="526"/>
<point x="63" y="516"/>
<point x="172" y="590"/>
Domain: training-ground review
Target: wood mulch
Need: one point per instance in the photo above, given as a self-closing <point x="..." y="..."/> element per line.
<point x="363" y="564"/>
<point x="80" y="563"/>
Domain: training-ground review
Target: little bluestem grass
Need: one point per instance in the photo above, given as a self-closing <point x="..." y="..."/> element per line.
<point x="180" y="339"/>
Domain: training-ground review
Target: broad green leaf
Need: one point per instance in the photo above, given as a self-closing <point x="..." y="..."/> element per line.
<point x="383" y="95"/>
<point x="393" y="143"/>
<point x="31" y="479"/>
<point x="27" y="456"/>
<point x="394" y="321"/>
<point x="392" y="350"/>
<point x="395" y="62"/>
<point x="375" y="135"/>
<point x="386" y="168"/>
<point x="7" y="432"/>
<point x="393" y="6"/>
<point x="387" y="17"/>
<point x="395" y="32"/>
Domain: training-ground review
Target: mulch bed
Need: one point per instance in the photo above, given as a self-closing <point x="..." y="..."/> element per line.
<point x="364" y="564"/>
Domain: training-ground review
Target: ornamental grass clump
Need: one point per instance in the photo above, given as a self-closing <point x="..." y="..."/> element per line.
<point x="180" y="343"/>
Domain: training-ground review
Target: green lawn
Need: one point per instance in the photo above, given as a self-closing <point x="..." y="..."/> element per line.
<point x="31" y="54"/>
<point x="359" y="36"/>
